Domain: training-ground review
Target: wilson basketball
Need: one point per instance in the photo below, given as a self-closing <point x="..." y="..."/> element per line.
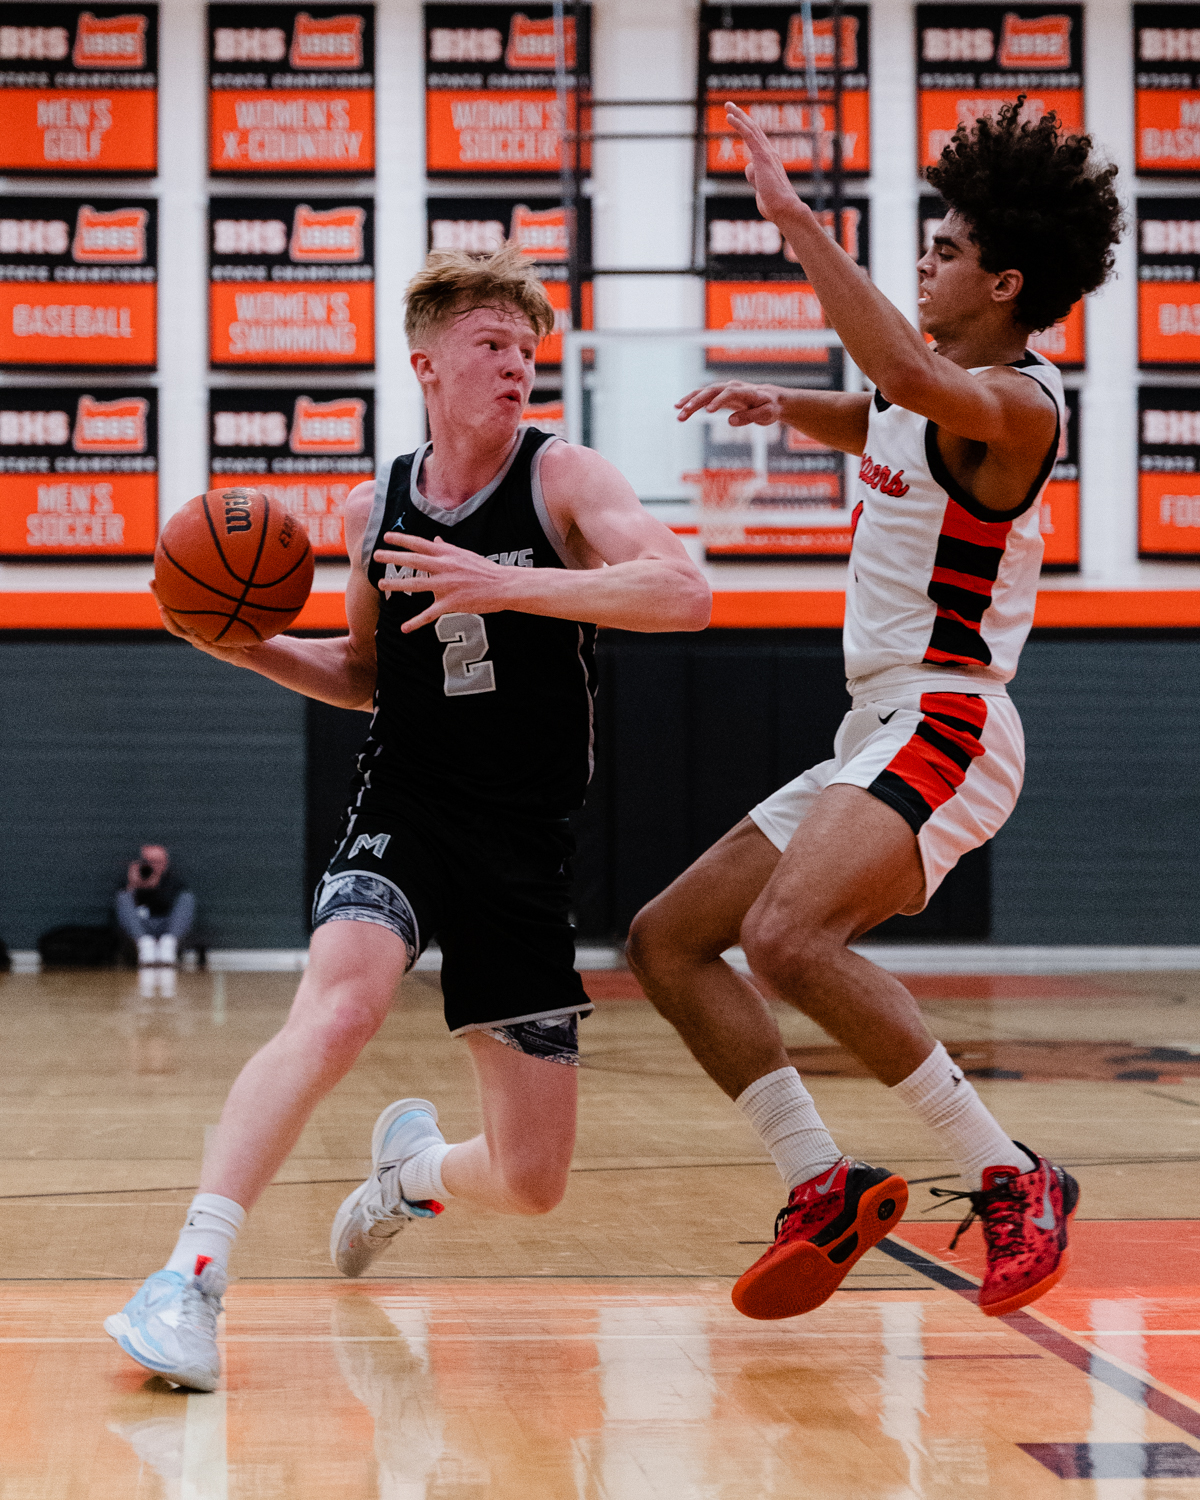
<point x="233" y="567"/>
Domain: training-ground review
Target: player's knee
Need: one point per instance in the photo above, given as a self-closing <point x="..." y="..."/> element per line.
<point x="781" y="949"/>
<point x="647" y="945"/>
<point x="536" y="1187"/>
<point x="346" y="1024"/>
<point x="658" y="943"/>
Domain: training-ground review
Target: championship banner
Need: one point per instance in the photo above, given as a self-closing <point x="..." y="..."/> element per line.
<point x="1063" y="344"/>
<point x="539" y="225"/>
<point x="78" y="283"/>
<point x="80" y="472"/>
<point x="1169" y="472"/>
<point x="1060" y="498"/>
<point x="971" y="59"/>
<point x="291" y="282"/>
<point x="1167" y="94"/>
<point x="754" y="281"/>
<point x="755" y="55"/>
<point x="303" y="448"/>
<point x="291" y="89"/>
<point x="1168" y="281"/>
<point x="491" y="106"/>
<point x="79" y="89"/>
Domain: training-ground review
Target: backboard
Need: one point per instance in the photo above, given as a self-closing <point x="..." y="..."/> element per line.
<point x="750" y="492"/>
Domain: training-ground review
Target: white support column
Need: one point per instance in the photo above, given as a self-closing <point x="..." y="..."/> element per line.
<point x="895" y="182"/>
<point x="182" y="255"/>
<point x="642" y="217"/>
<point x="1108" y="418"/>
<point x="400" y="216"/>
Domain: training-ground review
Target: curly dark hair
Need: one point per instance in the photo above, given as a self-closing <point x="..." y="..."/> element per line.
<point x="1036" y="203"/>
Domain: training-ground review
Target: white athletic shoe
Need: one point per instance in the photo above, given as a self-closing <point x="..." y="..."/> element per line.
<point x="168" y="949"/>
<point x="147" y="950"/>
<point x="373" y="1214"/>
<point x="169" y="1325"/>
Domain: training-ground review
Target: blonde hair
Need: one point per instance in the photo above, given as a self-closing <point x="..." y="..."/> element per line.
<point x="451" y="282"/>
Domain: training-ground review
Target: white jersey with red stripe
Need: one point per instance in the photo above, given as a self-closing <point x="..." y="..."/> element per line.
<point x="942" y="590"/>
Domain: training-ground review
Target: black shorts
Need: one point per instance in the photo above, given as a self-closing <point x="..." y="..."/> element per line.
<point x="493" y="888"/>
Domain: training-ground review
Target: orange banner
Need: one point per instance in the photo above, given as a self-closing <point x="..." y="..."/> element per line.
<point x="46" y="130"/>
<point x="1060" y="524"/>
<point x="129" y="611"/>
<point x="1167" y="134"/>
<point x="785" y="124"/>
<point x="1088" y="609"/>
<point x="1169" y="515"/>
<point x="78" y="325"/>
<point x="50" y="515"/>
<point x="263" y="323"/>
<point x="292" y="131"/>
<point x="549" y="351"/>
<point x="477" y="131"/>
<point x="731" y="305"/>
<point x="787" y="541"/>
<point x="941" y="111"/>
<point x="1063" y="343"/>
<point x="1168" y="323"/>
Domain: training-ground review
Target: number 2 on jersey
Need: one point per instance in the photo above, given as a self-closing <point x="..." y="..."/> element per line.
<point x="463" y="659"/>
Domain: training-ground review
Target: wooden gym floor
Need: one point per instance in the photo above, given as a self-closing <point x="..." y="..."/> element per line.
<point x="594" y="1353"/>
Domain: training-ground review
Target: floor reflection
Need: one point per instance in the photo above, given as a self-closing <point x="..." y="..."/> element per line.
<point x="158" y="1441"/>
<point x="156" y="1019"/>
<point x="383" y="1357"/>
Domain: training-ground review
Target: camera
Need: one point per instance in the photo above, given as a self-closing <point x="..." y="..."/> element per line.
<point x="145" y="870"/>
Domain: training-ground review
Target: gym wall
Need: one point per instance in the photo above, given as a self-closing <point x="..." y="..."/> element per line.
<point x="106" y="743"/>
<point x="106" y="739"/>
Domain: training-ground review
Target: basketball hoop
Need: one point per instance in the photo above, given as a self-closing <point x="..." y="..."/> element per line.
<point x="721" y="489"/>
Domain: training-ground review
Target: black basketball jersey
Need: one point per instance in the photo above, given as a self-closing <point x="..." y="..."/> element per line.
<point x="496" y="708"/>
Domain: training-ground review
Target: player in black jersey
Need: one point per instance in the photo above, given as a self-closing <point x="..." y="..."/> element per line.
<point x="481" y="566"/>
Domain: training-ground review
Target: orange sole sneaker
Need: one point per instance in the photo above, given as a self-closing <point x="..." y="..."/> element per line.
<point x="1039" y="1289"/>
<point x="1030" y="1294"/>
<point x="797" y="1276"/>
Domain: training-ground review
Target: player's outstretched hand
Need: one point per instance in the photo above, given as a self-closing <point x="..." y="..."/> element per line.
<point x="461" y="582"/>
<point x="748" y="405"/>
<point x="765" y="171"/>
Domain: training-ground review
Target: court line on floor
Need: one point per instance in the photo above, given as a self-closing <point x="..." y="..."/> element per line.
<point x="675" y="1335"/>
<point x="204" y="1473"/>
<point x="665" y="1166"/>
<point x="1172" y="1407"/>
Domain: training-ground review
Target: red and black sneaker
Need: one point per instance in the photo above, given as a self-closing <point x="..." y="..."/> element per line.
<point x="1025" y="1217"/>
<point x="830" y="1221"/>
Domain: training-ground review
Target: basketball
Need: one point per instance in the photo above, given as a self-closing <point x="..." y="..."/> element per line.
<point x="233" y="567"/>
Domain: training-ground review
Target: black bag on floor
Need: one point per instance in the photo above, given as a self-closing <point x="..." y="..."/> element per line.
<point x="77" y="947"/>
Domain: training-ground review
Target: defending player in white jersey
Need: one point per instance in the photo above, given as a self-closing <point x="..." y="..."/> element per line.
<point x="956" y="443"/>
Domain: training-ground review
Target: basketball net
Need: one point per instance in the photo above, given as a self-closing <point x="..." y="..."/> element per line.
<point x="721" y="489"/>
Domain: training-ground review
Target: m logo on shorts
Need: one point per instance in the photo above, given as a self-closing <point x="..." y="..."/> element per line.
<point x="375" y="842"/>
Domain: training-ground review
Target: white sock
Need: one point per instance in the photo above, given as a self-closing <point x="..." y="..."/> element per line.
<point x="940" y="1097"/>
<point x="211" y="1228"/>
<point x="782" y="1111"/>
<point x="421" y="1175"/>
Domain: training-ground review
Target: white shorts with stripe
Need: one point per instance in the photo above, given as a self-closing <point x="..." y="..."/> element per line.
<point x="951" y="764"/>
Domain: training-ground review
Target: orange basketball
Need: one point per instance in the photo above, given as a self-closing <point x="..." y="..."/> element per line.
<point x="233" y="567"/>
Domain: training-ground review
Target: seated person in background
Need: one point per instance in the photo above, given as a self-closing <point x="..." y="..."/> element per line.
<point x="155" y="909"/>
